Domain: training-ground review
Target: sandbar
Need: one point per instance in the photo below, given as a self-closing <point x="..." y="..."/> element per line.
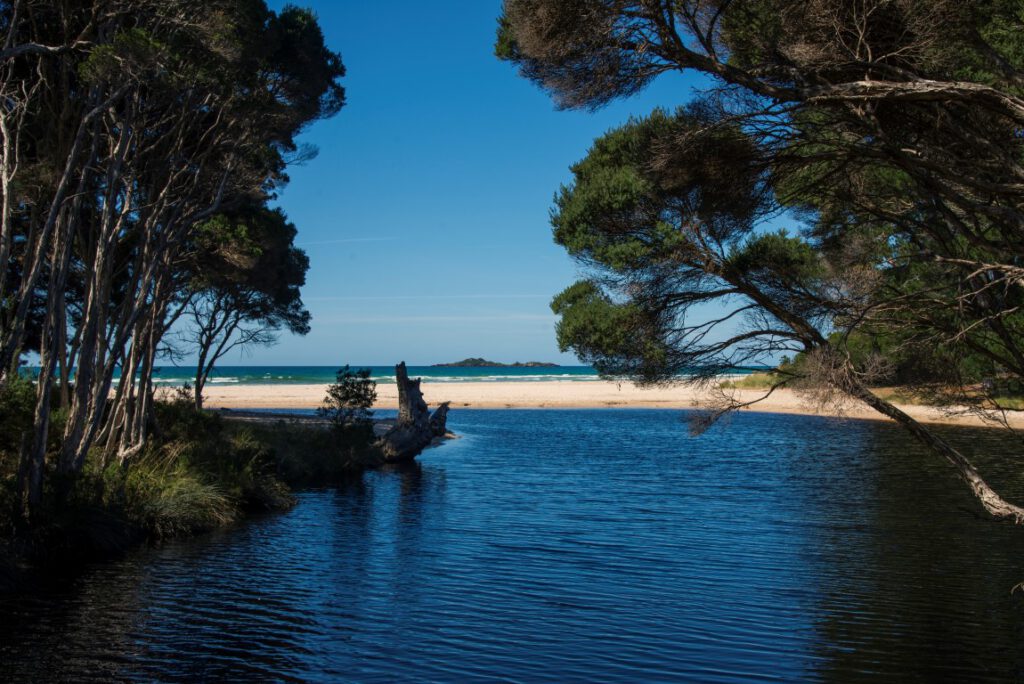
<point x="564" y="395"/>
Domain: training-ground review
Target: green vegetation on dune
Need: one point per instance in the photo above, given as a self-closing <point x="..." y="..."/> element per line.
<point x="752" y="381"/>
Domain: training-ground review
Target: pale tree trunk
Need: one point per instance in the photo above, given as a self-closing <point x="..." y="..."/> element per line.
<point x="31" y="487"/>
<point x="141" y="411"/>
<point x="123" y="398"/>
<point x="93" y="326"/>
<point x="992" y="502"/>
<point x="221" y="337"/>
<point x="12" y="339"/>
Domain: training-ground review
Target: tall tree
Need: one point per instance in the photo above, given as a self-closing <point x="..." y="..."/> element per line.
<point x="889" y="128"/>
<point x="128" y="126"/>
<point x="246" y="287"/>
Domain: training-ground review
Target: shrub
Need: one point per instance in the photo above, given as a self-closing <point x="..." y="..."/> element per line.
<point x="347" y="406"/>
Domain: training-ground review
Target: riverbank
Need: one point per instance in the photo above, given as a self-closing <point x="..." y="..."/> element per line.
<point x="564" y="394"/>
<point x="199" y="473"/>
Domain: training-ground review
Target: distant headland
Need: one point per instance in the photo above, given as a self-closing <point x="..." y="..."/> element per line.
<point x="484" y="363"/>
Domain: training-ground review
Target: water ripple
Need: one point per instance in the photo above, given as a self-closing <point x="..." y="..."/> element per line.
<point x="553" y="546"/>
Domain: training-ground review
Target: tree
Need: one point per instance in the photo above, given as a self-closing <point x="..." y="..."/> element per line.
<point x="246" y="287"/>
<point x="888" y="129"/>
<point x="127" y="127"/>
<point x="347" y="405"/>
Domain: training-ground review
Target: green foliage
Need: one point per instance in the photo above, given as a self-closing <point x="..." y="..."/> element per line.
<point x="293" y="44"/>
<point x="780" y="264"/>
<point x="311" y="456"/>
<point x="663" y="210"/>
<point x="906" y="364"/>
<point x="201" y="474"/>
<point x="348" y="403"/>
<point x="179" y="421"/>
<point x="242" y="466"/>
<point x="17" y="408"/>
<point x="247" y="258"/>
<point x="909" y="203"/>
<point x="164" y="113"/>
<point x="639" y="194"/>
<point x="617" y="339"/>
<point x="132" y="51"/>
<point x="505" y="43"/>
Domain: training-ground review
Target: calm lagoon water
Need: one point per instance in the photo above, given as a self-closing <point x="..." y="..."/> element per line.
<point x="554" y="546"/>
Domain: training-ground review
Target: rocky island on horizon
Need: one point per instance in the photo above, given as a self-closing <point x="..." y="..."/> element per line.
<point x="484" y="363"/>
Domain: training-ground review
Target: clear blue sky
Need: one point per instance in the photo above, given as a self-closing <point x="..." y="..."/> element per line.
<point x="425" y="215"/>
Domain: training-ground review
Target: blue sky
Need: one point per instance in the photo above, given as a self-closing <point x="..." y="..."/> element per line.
<point x="425" y="215"/>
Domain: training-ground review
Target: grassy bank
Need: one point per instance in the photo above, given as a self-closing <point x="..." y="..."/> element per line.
<point x="199" y="472"/>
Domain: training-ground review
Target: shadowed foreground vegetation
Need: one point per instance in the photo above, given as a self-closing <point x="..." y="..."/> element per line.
<point x="200" y="472"/>
<point x="142" y="145"/>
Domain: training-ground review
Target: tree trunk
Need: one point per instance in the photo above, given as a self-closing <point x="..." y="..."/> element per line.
<point x="415" y="427"/>
<point x="994" y="504"/>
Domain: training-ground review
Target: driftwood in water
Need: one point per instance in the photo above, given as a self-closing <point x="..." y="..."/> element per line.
<point x="415" y="427"/>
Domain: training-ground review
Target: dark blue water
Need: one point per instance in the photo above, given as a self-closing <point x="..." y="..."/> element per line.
<point x="554" y="546"/>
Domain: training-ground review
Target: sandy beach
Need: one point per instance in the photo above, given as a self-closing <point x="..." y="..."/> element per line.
<point x="554" y="394"/>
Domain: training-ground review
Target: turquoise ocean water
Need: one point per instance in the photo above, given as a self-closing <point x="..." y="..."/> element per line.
<point x="175" y="376"/>
<point x="322" y="375"/>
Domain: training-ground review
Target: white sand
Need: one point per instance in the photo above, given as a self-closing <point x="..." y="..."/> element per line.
<point x="552" y="394"/>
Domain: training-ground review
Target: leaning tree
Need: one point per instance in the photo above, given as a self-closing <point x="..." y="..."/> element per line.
<point x="889" y="130"/>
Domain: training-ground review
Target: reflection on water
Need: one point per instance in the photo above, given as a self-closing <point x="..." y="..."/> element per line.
<point x="573" y="545"/>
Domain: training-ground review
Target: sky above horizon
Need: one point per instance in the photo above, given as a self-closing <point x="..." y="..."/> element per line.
<point x="425" y="214"/>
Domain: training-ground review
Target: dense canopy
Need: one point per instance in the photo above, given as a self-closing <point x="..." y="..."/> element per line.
<point x="140" y="142"/>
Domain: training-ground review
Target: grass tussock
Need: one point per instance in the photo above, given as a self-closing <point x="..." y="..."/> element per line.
<point x="167" y="498"/>
<point x="1009" y="403"/>
<point x="905" y="395"/>
<point x="945" y="396"/>
<point x="752" y="381"/>
<point x="902" y="395"/>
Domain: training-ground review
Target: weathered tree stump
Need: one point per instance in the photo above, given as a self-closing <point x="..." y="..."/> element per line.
<point x="415" y="427"/>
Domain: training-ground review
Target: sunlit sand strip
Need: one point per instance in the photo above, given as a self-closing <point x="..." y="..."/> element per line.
<point x="554" y="394"/>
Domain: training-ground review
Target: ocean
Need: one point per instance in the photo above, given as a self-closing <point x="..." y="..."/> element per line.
<point x="321" y="375"/>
